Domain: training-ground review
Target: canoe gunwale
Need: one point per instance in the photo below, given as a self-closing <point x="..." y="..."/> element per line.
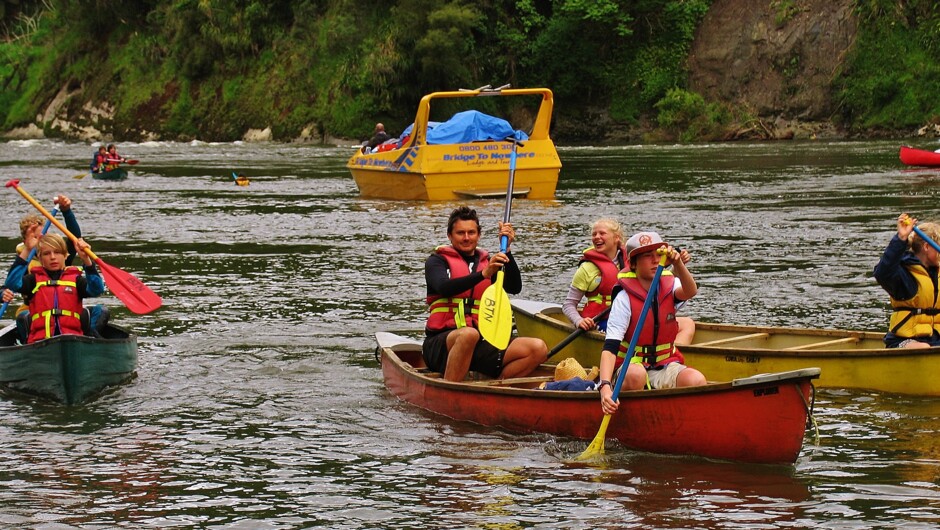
<point x="390" y="351"/>
<point x="544" y="316"/>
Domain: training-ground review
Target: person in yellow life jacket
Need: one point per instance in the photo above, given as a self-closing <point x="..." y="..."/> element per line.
<point x="55" y="292"/>
<point x="908" y="271"/>
<point x="596" y="278"/>
<point x="656" y="362"/>
<point x="456" y="276"/>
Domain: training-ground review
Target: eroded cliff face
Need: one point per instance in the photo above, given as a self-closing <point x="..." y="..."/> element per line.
<point x="780" y="66"/>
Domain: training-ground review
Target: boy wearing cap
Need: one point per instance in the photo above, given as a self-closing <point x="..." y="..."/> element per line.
<point x="656" y="359"/>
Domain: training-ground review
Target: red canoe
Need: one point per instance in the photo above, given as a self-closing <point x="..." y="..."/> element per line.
<point x="919" y="157"/>
<point x="759" y="419"/>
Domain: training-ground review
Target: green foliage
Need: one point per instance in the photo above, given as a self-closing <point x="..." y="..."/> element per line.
<point x="446" y="49"/>
<point x="889" y="78"/>
<point x="688" y="116"/>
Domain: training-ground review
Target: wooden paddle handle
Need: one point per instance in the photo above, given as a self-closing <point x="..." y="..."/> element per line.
<point x="15" y="183"/>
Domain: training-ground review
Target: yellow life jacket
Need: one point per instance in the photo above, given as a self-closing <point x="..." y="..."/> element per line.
<point x="918" y="316"/>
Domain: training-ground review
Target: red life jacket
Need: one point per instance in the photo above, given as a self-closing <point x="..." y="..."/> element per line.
<point x="600" y="299"/>
<point x="656" y="345"/>
<point x="451" y="313"/>
<point x="55" y="304"/>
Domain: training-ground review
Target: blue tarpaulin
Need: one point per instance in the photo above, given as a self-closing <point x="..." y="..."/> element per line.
<point x="469" y="126"/>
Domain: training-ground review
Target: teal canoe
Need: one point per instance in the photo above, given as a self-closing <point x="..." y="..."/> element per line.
<point x="114" y="174"/>
<point x="68" y="369"/>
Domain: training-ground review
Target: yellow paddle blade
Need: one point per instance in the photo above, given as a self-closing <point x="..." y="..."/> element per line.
<point x="496" y="314"/>
<point x="80" y="176"/>
<point x="596" y="449"/>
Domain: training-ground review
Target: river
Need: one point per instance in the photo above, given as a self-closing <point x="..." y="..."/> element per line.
<point x="259" y="403"/>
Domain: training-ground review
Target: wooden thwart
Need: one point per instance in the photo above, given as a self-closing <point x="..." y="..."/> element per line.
<point x="729" y="340"/>
<point x="822" y="344"/>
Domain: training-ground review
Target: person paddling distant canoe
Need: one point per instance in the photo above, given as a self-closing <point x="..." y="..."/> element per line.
<point x="908" y="272"/>
<point x="457" y="275"/>
<point x="99" y="160"/>
<point x="114" y="159"/>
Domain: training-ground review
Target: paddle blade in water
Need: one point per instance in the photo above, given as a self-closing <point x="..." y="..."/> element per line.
<point x="496" y="314"/>
<point x="128" y="289"/>
<point x="82" y="175"/>
<point x="596" y="449"/>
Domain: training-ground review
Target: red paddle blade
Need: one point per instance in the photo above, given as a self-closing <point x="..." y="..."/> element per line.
<point x="124" y="285"/>
<point x="132" y="162"/>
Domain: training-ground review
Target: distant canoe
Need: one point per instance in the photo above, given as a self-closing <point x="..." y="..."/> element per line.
<point x="759" y="419"/>
<point x="115" y="174"/>
<point x="848" y="359"/>
<point x="919" y="157"/>
<point x="68" y="369"/>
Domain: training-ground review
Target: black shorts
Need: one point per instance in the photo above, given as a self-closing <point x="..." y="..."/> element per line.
<point x="486" y="358"/>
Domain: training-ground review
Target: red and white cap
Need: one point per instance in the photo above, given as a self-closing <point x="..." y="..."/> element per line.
<point x="643" y="242"/>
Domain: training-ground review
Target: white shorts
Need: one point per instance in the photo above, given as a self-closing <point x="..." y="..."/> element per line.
<point x="665" y="377"/>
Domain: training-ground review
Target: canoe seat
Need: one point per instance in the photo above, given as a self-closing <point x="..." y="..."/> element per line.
<point x="729" y="340"/>
<point x="822" y="344"/>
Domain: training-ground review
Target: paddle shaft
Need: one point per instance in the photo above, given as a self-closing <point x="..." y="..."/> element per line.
<point x="654" y="288"/>
<point x="597" y="445"/>
<point x="504" y="240"/>
<point x="926" y="238"/>
<point x="49" y="216"/>
<point x="577" y="333"/>
<point x="32" y="254"/>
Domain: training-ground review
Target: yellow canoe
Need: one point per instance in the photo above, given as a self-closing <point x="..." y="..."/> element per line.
<point x="848" y="359"/>
<point x="436" y="172"/>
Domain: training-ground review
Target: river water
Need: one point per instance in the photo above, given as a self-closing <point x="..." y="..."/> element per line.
<point x="259" y="403"/>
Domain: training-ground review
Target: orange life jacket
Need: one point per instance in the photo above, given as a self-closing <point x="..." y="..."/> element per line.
<point x="462" y="309"/>
<point x="656" y="344"/>
<point x="55" y="307"/>
<point x="600" y="299"/>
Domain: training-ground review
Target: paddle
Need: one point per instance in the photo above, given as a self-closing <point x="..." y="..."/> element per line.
<point x="125" y="286"/>
<point x="32" y="254"/>
<point x="926" y="238"/>
<point x="495" y="308"/>
<point x="597" y="445"/>
<point x="577" y="333"/>
<point x="83" y="175"/>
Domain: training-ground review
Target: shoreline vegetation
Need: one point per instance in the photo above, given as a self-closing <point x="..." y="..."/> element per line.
<point x="325" y="72"/>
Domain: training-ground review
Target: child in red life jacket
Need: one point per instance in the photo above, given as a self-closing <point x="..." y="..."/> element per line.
<point x="657" y="361"/>
<point x="55" y="292"/>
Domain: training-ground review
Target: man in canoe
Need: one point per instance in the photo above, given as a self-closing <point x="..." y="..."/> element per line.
<point x="907" y="271"/>
<point x="596" y="278"/>
<point x="457" y="276"/>
<point x="54" y="292"/>
<point x="657" y="362"/>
